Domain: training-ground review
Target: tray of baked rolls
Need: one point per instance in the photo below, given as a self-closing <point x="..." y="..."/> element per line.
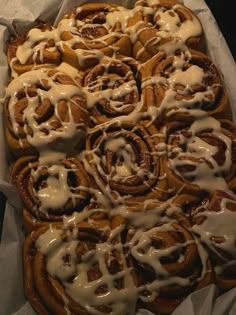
<point x="119" y="160"/>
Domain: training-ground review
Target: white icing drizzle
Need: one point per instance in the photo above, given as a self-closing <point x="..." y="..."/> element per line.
<point x="125" y="154"/>
<point x="48" y="241"/>
<point x="76" y="27"/>
<point x="206" y="174"/>
<point x="69" y="70"/>
<point x="57" y="192"/>
<point x="44" y="134"/>
<point x="78" y="217"/>
<point x="121" y="16"/>
<point x="152" y="2"/>
<point x="144" y="252"/>
<point x="49" y="156"/>
<point x="110" y="94"/>
<point x="57" y="267"/>
<point x="84" y="55"/>
<point x="102" y="195"/>
<point x="125" y="166"/>
<point x="85" y="292"/>
<point x="170" y="104"/>
<point x="170" y="47"/>
<point x="193" y="75"/>
<point x="118" y="299"/>
<point x="218" y="223"/>
<point x="81" y="289"/>
<point x="35" y="44"/>
<point x="170" y="23"/>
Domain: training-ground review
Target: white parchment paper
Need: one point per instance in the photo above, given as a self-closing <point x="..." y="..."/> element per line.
<point x="16" y="16"/>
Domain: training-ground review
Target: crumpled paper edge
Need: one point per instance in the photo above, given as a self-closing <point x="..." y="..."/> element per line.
<point x="18" y="16"/>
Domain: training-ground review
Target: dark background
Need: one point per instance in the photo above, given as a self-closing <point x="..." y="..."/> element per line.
<point x="225" y="16"/>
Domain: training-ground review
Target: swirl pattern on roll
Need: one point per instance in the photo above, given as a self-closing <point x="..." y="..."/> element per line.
<point x="107" y="260"/>
<point x="91" y="31"/>
<point x="112" y="89"/>
<point x="49" y="192"/>
<point x="214" y="223"/>
<point x="74" y="247"/>
<point x="180" y="87"/>
<point x="123" y="161"/>
<point x="34" y="49"/>
<point x="45" y="107"/>
<point x="164" y="26"/>
<point x="199" y="157"/>
<point x="168" y="264"/>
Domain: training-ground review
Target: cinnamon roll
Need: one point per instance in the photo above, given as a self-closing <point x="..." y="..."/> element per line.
<point x="91" y="31"/>
<point x="45" y="107"/>
<point x="183" y="87"/>
<point x="164" y="26"/>
<point x="36" y="48"/>
<point x="123" y="162"/>
<point x="112" y="90"/>
<point x="78" y="271"/>
<point x="168" y="263"/>
<point x="199" y="157"/>
<point x="50" y="192"/>
<point x="214" y="223"/>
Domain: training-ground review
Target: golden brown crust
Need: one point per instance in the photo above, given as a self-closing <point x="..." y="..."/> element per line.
<point x="152" y="36"/>
<point x="139" y="184"/>
<point x="110" y="75"/>
<point x="48" y="114"/>
<point x="180" y="164"/>
<point x="185" y="99"/>
<point x="221" y="257"/>
<point x="45" y="292"/>
<point x="30" y="189"/>
<point x="89" y="22"/>
<point x="49" y="56"/>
